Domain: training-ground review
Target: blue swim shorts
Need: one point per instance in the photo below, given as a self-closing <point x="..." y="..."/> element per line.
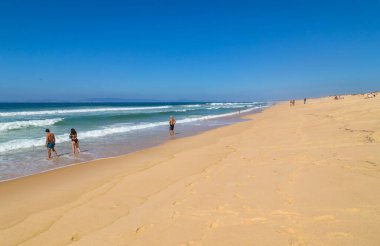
<point x="50" y="145"/>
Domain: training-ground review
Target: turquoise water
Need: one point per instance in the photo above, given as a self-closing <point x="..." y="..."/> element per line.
<point x="104" y="129"/>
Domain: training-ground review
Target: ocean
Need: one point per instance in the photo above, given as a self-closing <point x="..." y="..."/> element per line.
<point x="104" y="129"/>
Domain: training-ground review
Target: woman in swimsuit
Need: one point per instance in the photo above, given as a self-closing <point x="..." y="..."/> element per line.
<point x="74" y="140"/>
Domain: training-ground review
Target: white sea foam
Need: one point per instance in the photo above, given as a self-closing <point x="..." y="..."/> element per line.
<point x="208" y="117"/>
<point x="113" y="129"/>
<point x="80" y="110"/>
<point x="5" y="126"/>
<point x="19" y="144"/>
<point x="183" y="110"/>
<point x="228" y="107"/>
<point x="232" y="104"/>
<point x="191" y="105"/>
<point x="212" y="106"/>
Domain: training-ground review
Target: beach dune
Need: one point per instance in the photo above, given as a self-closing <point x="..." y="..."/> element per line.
<point x="302" y="175"/>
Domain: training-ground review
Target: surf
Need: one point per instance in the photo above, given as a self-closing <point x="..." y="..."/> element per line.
<point x="109" y="130"/>
<point x="14" y="125"/>
<point x="76" y="111"/>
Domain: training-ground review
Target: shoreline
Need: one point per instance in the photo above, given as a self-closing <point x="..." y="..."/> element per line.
<point x="303" y="175"/>
<point x="236" y="116"/>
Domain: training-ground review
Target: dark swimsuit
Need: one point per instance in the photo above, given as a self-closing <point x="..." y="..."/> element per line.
<point x="171" y="127"/>
<point x="73" y="138"/>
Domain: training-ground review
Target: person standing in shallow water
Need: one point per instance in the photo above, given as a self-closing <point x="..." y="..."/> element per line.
<point x="50" y="143"/>
<point x="74" y="141"/>
<point x="171" y="125"/>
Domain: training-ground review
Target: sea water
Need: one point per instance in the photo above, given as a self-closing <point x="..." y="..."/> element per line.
<point x="104" y="129"/>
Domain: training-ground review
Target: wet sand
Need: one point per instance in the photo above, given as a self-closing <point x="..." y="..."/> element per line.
<point x="302" y="175"/>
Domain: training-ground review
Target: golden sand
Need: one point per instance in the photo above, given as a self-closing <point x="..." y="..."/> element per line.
<point x="302" y="175"/>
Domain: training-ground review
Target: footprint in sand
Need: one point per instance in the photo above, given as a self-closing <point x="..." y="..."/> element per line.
<point x="290" y="201"/>
<point x="75" y="237"/>
<point x="176" y="203"/>
<point x="213" y="225"/>
<point x="190" y="186"/>
<point x="140" y="229"/>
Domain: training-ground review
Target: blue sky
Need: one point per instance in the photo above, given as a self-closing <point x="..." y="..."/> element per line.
<point x="200" y="50"/>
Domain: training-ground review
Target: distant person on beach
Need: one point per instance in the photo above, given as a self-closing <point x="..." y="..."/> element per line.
<point x="74" y="141"/>
<point x="171" y="125"/>
<point x="370" y="95"/>
<point x="292" y="102"/>
<point x="50" y="143"/>
<point x="304" y="100"/>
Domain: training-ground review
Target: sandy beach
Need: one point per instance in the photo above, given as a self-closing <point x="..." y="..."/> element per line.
<point x="302" y="175"/>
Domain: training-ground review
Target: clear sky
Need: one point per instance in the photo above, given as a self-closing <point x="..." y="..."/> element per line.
<point x="200" y="50"/>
